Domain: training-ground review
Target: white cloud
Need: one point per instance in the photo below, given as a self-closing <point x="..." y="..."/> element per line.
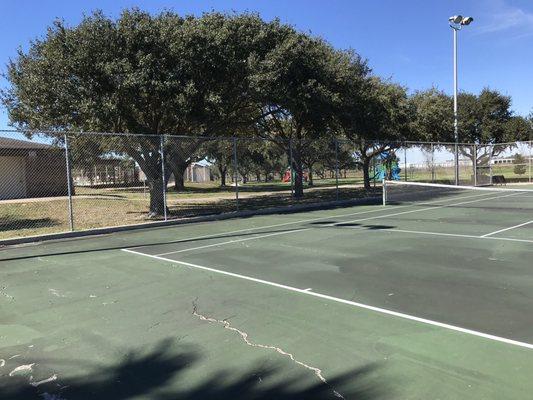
<point x="503" y="17"/>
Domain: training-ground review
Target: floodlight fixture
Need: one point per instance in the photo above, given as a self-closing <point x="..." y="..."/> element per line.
<point x="456" y="19"/>
<point x="456" y="23"/>
<point x="467" y="21"/>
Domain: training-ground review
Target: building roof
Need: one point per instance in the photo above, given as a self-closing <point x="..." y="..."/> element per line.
<point x="9" y="143"/>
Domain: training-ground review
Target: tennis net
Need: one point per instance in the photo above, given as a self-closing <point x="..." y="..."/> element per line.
<point x="433" y="194"/>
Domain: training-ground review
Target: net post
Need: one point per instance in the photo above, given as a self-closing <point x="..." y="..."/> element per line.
<point x="163" y="177"/>
<point x="69" y="185"/>
<point x="336" y="169"/>
<point x="384" y="196"/>
<point x="236" y="173"/>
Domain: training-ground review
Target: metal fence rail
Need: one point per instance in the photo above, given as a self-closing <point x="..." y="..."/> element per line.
<point x="58" y="182"/>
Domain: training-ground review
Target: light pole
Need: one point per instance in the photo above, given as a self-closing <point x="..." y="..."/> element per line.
<point x="456" y="23"/>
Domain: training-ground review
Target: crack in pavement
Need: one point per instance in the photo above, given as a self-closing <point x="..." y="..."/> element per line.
<point x="244" y="336"/>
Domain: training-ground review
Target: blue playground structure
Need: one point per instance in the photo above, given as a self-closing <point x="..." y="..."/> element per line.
<point x="386" y="163"/>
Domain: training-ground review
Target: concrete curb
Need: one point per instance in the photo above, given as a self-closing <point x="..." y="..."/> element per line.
<point x="206" y="218"/>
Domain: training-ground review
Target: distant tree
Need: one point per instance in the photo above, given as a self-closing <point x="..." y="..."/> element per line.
<point x="432" y="118"/>
<point x="145" y="75"/>
<point x="220" y="154"/>
<point x="485" y="120"/>
<point x="519" y="162"/>
<point x="376" y="122"/>
<point x="298" y="86"/>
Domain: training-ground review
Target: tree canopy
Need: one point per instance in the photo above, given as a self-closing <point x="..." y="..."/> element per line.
<point x="220" y="75"/>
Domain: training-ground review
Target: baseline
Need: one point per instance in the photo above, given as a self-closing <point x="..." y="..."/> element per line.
<point x="343" y="301"/>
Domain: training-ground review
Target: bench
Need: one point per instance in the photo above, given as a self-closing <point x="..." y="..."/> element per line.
<point x="499" y="180"/>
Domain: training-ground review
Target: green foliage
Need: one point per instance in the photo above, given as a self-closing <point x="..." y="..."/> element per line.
<point x="432" y="115"/>
<point x="376" y="119"/>
<point x="519" y="162"/>
<point x="221" y="75"/>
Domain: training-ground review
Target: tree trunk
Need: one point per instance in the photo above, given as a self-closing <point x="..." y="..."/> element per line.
<point x="157" y="204"/>
<point x="310" y="182"/>
<point x="222" y="170"/>
<point x="298" y="175"/>
<point x="178" y="169"/>
<point x="366" y="172"/>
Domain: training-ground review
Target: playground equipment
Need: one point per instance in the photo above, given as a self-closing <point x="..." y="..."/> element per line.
<point x="287" y="175"/>
<point x="388" y="167"/>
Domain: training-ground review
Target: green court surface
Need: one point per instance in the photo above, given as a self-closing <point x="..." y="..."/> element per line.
<point x="404" y="301"/>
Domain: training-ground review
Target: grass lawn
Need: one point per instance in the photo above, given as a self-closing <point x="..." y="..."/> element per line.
<point x="102" y="207"/>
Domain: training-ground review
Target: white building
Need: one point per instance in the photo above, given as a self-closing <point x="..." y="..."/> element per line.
<point x="198" y="173"/>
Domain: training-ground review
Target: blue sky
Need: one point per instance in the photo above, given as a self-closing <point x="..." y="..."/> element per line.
<point x="408" y="40"/>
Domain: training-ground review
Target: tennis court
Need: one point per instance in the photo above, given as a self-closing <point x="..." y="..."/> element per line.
<point x="426" y="297"/>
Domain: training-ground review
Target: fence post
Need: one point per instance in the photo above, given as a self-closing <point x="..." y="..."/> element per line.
<point x="530" y="155"/>
<point x="69" y="185"/>
<point x="475" y="164"/>
<point x="432" y="147"/>
<point x="456" y="162"/>
<point x="162" y="151"/>
<point x="374" y="171"/>
<point x="491" y="148"/>
<point x="405" y="163"/>
<point x="290" y="168"/>
<point x="236" y="173"/>
<point x="336" y="169"/>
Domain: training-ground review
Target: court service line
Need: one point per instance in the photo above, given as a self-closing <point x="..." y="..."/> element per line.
<point x="459" y="235"/>
<point x="234" y="241"/>
<point x="507" y="229"/>
<point x="254" y="228"/>
<point x="303" y="221"/>
<point x="343" y="301"/>
<point x="422" y="209"/>
<point x="281" y="233"/>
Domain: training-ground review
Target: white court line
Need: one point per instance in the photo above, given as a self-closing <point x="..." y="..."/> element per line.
<point x="277" y="225"/>
<point x="507" y="229"/>
<point x="234" y="241"/>
<point x="422" y="209"/>
<point x="357" y="228"/>
<point x="296" y="230"/>
<point x="305" y="220"/>
<point x="343" y="301"/>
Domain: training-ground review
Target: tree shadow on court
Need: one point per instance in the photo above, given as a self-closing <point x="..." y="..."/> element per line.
<point x="140" y="246"/>
<point x="159" y="375"/>
<point x="334" y="224"/>
<point x="200" y="240"/>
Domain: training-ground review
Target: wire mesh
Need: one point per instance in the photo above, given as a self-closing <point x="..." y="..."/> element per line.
<point x="33" y="186"/>
<point x="483" y="164"/>
<point x="117" y="180"/>
<point x="264" y="177"/>
<point x="127" y="179"/>
<point x="351" y="169"/>
<point x="512" y="162"/>
<point x="419" y="163"/>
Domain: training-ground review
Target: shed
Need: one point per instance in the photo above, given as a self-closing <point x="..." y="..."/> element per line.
<point x="30" y="169"/>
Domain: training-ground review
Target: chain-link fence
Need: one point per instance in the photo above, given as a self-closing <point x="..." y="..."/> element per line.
<point x="51" y="183"/>
<point x="33" y="186"/>
<point x="512" y="162"/>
